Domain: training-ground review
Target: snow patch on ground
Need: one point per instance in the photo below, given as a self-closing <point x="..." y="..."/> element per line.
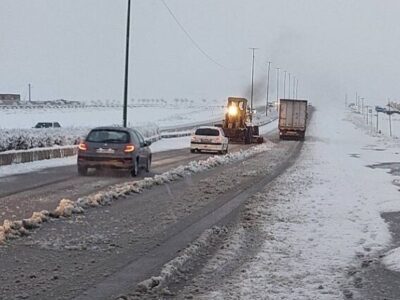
<point x="392" y="260"/>
<point x="103" y="116"/>
<point x="170" y="144"/>
<point x="174" y="267"/>
<point x="40" y="138"/>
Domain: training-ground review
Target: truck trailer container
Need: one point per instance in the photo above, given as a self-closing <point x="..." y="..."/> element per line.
<point x="292" y="118"/>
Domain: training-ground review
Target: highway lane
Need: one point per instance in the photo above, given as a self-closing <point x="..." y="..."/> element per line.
<point x="23" y="194"/>
<point x="107" y="250"/>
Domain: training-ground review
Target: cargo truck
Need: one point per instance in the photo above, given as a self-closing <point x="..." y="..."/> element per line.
<point x="292" y="118"/>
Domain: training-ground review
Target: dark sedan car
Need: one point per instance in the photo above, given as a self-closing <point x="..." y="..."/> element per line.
<point x="114" y="147"/>
<point x="47" y="125"/>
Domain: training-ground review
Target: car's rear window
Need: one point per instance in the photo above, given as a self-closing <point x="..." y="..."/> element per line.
<point x="43" y="125"/>
<point x="108" y="136"/>
<point x="207" y="131"/>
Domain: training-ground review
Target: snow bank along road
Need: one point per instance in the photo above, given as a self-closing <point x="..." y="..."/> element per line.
<point x="107" y="250"/>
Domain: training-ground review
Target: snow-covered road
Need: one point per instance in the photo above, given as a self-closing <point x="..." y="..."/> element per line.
<point x="91" y="247"/>
<point x="309" y="234"/>
<point x="319" y="223"/>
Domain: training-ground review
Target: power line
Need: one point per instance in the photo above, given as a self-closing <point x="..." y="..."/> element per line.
<point x="190" y="37"/>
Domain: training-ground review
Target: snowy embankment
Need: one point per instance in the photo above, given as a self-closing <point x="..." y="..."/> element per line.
<point x="66" y="207"/>
<point x="24" y="139"/>
<point x="17" y="139"/>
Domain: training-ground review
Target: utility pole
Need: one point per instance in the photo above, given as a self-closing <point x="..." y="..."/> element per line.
<point x="289" y="86"/>
<point x="29" y="93"/>
<point x="345" y="100"/>
<point x="358" y="106"/>
<point x="362" y="106"/>
<point x="297" y="88"/>
<point x="266" y="107"/>
<point x="377" y="121"/>
<point x="372" y="114"/>
<point x="128" y="23"/>
<point x="252" y="85"/>
<point x="284" y="86"/>
<point x="277" y="85"/>
<point x="294" y="87"/>
<point x="390" y="119"/>
<point x="367" y="107"/>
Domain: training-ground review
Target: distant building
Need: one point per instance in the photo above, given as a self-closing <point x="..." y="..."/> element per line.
<point x="9" y="99"/>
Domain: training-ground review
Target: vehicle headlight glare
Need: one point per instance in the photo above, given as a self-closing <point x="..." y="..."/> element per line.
<point x="232" y="110"/>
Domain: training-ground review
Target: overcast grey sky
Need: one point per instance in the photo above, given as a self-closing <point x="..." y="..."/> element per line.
<point x="74" y="49"/>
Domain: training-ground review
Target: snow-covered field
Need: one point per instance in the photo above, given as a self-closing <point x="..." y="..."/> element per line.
<point x="16" y="131"/>
<point x="103" y="116"/>
<point x="320" y="218"/>
<point x="380" y="122"/>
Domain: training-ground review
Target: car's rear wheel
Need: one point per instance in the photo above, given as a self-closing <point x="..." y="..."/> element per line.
<point x="192" y="150"/>
<point x="135" y="170"/>
<point x="82" y="170"/>
<point x="148" y="164"/>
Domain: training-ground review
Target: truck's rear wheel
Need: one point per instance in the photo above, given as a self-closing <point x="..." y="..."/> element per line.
<point x="148" y="164"/>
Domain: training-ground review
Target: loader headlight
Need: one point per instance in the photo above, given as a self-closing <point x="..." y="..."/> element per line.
<point x="232" y="110"/>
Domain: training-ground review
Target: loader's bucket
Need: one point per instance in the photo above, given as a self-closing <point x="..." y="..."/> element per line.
<point x="236" y="135"/>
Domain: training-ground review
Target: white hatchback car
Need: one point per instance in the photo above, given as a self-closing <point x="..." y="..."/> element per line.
<point x="209" y="138"/>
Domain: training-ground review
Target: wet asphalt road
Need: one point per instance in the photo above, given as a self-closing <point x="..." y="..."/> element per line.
<point x="23" y="194"/>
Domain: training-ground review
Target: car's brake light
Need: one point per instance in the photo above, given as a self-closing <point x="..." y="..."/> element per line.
<point x="129" y="148"/>
<point x="83" y="147"/>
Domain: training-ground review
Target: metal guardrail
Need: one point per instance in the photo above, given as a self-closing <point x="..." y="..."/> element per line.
<point x="23" y="156"/>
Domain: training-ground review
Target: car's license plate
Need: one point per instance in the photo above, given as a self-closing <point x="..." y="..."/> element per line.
<point x="205" y="140"/>
<point x="101" y="150"/>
